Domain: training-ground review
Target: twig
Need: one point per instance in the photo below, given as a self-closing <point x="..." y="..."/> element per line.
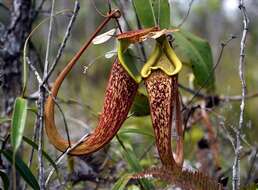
<point x="187" y="14"/>
<point x="66" y="36"/>
<point x="147" y="150"/>
<point x="40" y="126"/>
<point x="221" y="98"/>
<point x="69" y="149"/>
<point x="34" y="70"/>
<point x="252" y="162"/>
<point x="238" y="97"/>
<point x="236" y="165"/>
<point x="49" y="39"/>
<point x="96" y="9"/>
<point x="223" y="45"/>
<point x="41" y="101"/>
<point x="191" y="91"/>
<point x="36" y="13"/>
<point x="4" y="6"/>
<point x="139" y="27"/>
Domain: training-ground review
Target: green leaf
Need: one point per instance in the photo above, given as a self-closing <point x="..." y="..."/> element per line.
<point x="121" y="183"/>
<point x="196" y="52"/>
<point x="5" y="180"/>
<point x="35" y="146"/>
<point x="153" y="12"/>
<point x="140" y="105"/>
<point x="18" y="122"/>
<point x="162" y="13"/>
<point x="145" y="12"/>
<point x="22" y="168"/>
<point x="134" y="163"/>
<point x="137" y="130"/>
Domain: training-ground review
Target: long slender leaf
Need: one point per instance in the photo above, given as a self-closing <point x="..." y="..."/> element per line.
<point x="121" y="183"/>
<point x="18" y="122"/>
<point x="35" y="146"/>
<point x="5" y="180"/>
<point x="137" y="130"/>
<point x="22" y="168"/>
<point x="134" y="163"/>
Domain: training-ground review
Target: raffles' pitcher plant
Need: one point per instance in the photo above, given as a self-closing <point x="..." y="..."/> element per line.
<point x="160" y="76"/>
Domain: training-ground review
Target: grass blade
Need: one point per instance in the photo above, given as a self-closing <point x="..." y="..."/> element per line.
<point x="22" y="168"/>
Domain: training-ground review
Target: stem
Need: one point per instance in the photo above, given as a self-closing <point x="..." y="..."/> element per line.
<point x="65" y="38"/>
<point x="49" y="38"/>
<point x="236" y="165"/>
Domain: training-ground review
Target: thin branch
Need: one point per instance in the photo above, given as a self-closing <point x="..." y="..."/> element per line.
<point x="223" y="45"/>
<point x="221" y="98"/>
<point x="40" y="126"/>
<point x="96" y="9"/>
<point x="68" y="150"/>
<point x="66" y="36"/>
<point x="36" y="13"/>
<point x="236" y="165"/>
<point x="49" y="39"/>
<point x="187" y="14"/>
<point x="41" y="101"/>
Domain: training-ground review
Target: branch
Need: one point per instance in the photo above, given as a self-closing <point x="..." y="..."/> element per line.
<point x="187" y="14"/>
<point x="223" y="45"/>
<point x="41" y="103"/>
<point x="237" y="144"/>
<point x="63" y="155"/>
<point x="66" y="36"/>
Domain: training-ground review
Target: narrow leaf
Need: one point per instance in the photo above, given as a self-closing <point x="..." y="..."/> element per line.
<point x="22" y="168"/>
<point x="121" y="183"/>
<point x="5" y="180"/>
<point x="18" y="122"/>
<point x="35" y="146"/>
<point x="134" y="163"/>
<point x="137" y="130"/>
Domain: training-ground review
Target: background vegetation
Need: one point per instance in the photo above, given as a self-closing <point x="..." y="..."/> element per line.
<point x="82" y="93"/>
